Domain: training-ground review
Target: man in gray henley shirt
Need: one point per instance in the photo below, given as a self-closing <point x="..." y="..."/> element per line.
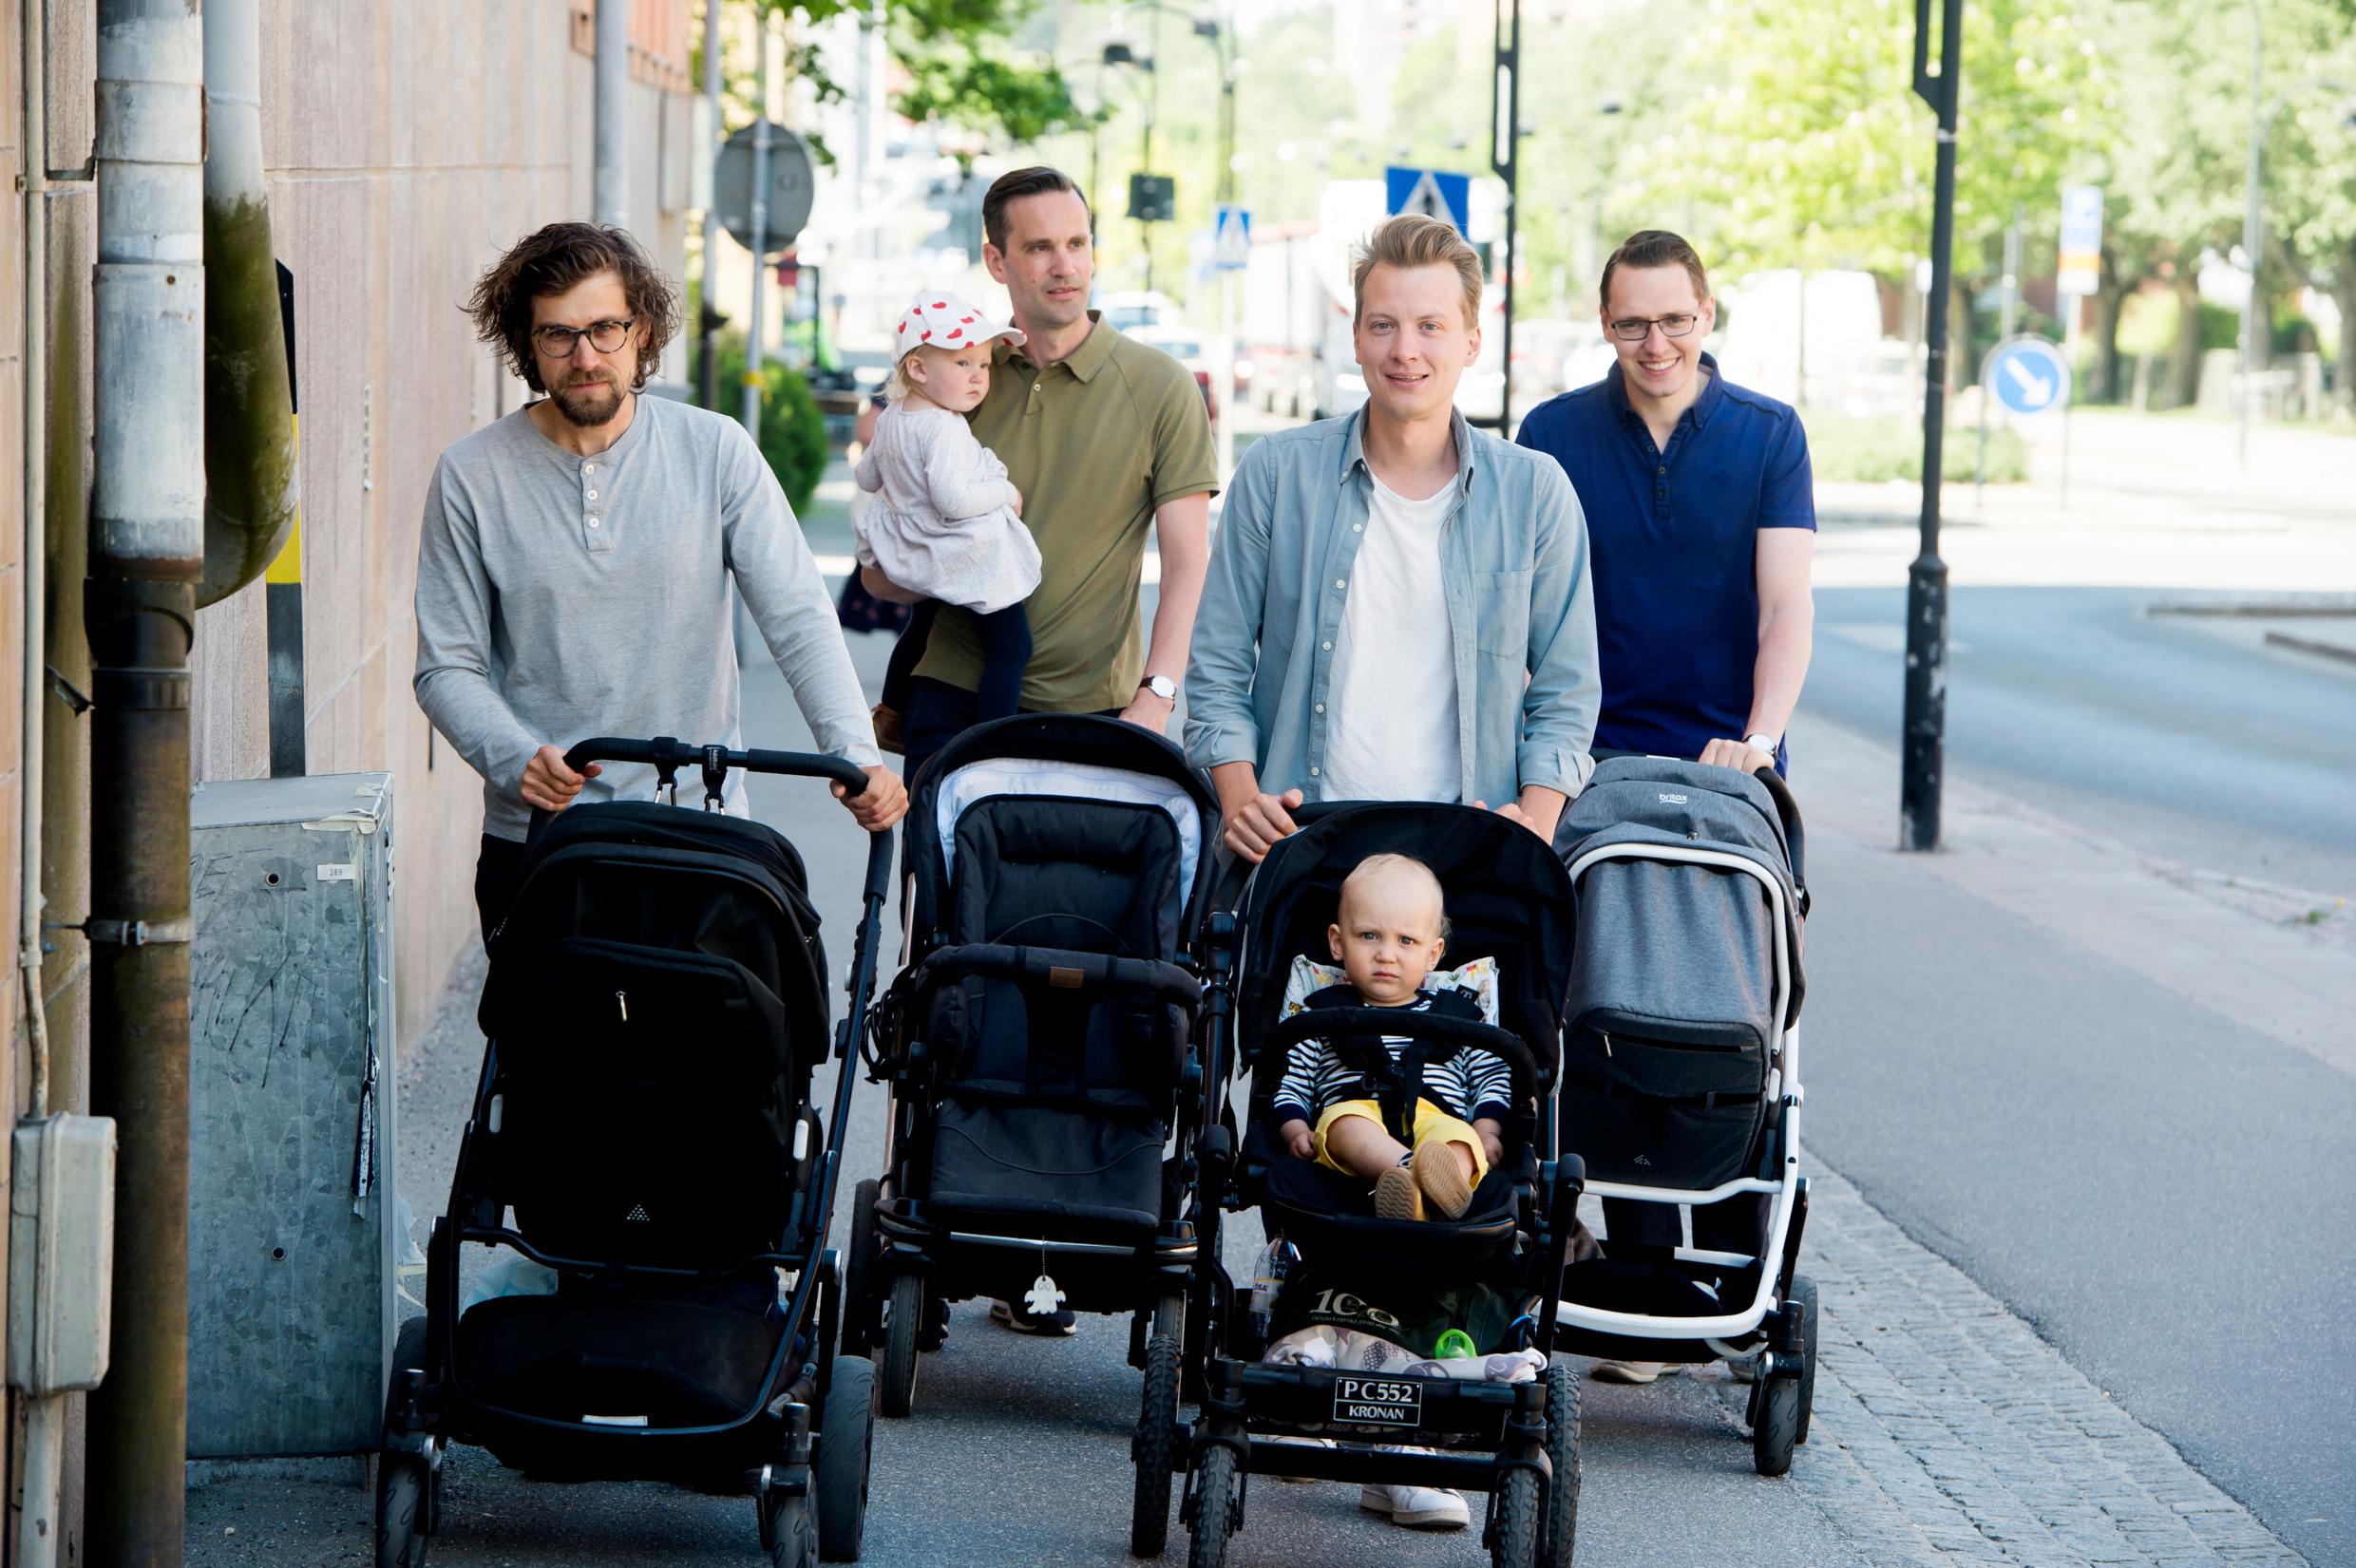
<point x="572" y="575"/>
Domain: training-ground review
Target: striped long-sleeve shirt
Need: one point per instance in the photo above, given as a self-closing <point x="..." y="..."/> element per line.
<point x="1470" y="1085"/>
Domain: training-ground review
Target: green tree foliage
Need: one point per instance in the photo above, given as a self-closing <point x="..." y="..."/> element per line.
<point x="793" y="430"/>
<point x="961" y="66"/>
<point x="1809" y="147"/>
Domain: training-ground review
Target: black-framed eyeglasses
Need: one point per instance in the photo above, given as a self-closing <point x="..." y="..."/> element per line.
<point x="1636" y="329"/>
<point x="606" y="337"/>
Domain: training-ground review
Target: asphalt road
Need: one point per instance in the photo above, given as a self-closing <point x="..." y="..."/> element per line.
<point x="2160" y="1189"/>
<point x="2187" y="744"/>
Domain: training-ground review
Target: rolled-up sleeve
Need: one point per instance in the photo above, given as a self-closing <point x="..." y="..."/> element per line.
<point x="455" y="602"/>
<point x="1566" y="691"/>
<point x="1221" y="725"/>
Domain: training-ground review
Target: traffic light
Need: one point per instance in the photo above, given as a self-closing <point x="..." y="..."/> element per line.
<point x="1152" y="197"/>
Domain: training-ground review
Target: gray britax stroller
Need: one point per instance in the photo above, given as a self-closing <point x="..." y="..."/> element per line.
<point x="1680" y="1078"/>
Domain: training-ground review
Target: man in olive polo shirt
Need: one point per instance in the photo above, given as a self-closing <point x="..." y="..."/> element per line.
<point x="1105" y="437"/>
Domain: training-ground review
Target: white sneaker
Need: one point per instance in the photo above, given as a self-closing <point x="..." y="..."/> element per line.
<point x="1628" y="1372"/>
<point x="1417" y="1507"/>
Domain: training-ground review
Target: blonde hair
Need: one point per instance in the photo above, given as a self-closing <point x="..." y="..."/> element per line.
<point x="1410" y="240"/>
<point x="896" y="386"/>
<point x="1377" y="868"/>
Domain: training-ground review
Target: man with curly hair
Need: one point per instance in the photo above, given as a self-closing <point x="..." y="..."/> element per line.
<point x="572" y="575"/>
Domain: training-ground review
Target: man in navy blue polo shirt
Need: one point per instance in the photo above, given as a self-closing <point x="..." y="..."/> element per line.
<point x="1702" y="521"/>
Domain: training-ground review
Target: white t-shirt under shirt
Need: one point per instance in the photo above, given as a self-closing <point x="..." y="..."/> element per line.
<point x="1391" y="734"/>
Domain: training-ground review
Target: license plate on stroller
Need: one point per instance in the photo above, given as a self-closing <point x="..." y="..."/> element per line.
<point x="1379" y="1402"/>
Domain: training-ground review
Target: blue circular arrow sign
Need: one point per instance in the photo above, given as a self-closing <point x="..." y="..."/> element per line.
<point x="2028" y="375"/>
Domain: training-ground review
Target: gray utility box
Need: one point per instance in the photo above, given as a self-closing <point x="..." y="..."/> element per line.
<point x="291" y="1244"/>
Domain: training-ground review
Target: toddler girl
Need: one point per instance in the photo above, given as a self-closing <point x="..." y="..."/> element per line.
<point x="947" y="523"/>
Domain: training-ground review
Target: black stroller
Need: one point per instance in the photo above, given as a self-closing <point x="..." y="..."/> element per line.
<point x="1039" y="1047"/>
<point x="1680" y="1078"/>
<point x="1516" y="1441"/>
<point x="642" y="1132"/>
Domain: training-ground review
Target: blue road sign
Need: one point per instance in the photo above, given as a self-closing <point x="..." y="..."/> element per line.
<point x="2028" y="375"/>
<point x="1434" y="193"/>
<point x="1231" y="240"/>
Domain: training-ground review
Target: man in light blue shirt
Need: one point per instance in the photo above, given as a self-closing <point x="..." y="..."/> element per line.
<point x="1398" y="606"/>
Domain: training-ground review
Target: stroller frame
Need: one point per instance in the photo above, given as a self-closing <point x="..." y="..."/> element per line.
<point x="1779" y="1318"/>
<point x="801" y="1445"/>
<point x="1253" y="1413"/>
<point x="905" y="1252"/>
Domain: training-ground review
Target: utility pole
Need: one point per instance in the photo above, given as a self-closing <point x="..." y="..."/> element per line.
<point x="751" y="411"/>
<point x="1145" y="166"/>
<point x="1925" y="730"/>
<point x="612" y="113"/>
<point x="1505" y="157"/>
<point x="146" y="555"/>
<point x="708" y="316"/>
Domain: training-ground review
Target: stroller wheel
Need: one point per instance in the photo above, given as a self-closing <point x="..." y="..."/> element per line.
<point x="901" y="1333"/>
<point x="1775" y="1425"/>
<point x="1513" y="1522"/>
<point x="792" y="1532"/>
<point x="1157" y="1437"/>
<point x="845" y="1443"/>
<point x="405" y="1480"/>
<point x="859" y="1272"/>
<point x="1212" y="1521"/>
<point x="1560" y="1534"/>
<point x="401" y="1485"/>
<point x="1804" y="1296"/>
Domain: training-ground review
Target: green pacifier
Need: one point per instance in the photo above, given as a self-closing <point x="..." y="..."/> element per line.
<point x="1454" y="1345"/>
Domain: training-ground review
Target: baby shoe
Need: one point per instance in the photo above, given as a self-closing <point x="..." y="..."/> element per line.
<point x="1442" y="1179"/>
<point x="1396" y="1196"/>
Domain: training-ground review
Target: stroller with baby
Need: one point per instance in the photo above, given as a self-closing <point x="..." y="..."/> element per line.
<point x="642" y="1134"/>
<point x="1680" y="1078"/>
<point x="1503" y="1422"/>
<point x="1038" y="1045"/>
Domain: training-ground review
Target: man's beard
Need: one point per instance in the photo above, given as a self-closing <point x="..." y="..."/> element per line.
<point x="581" y="404"/>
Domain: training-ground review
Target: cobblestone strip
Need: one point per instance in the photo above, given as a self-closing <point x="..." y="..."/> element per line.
<point x="1946" y="1432"/>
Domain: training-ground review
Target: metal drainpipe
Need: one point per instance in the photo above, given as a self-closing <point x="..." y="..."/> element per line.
<point x="249" y="408"/>
<point x="38" y="1524"/>
<point x="146" y="553"/>
<point x="611" y="105"/>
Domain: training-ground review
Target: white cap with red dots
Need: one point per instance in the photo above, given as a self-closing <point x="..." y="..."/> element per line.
<point x="949" y="321"/>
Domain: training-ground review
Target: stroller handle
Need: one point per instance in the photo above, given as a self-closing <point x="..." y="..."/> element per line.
<point x="667" y="752"/>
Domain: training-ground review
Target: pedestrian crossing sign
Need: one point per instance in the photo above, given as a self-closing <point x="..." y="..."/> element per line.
<point x="1434" y="193"/>
<point x="1231" y="244"/>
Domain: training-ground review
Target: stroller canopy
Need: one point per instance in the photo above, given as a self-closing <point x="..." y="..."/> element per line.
<point x="1508" y="898"/>
<point x="1058" y="756"/>
<point x="668" y="877"/>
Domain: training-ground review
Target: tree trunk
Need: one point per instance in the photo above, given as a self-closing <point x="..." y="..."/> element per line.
<point x="2343" y="369"/>
<point x="2184" y="372"/>
<point x="2110" y="292"/>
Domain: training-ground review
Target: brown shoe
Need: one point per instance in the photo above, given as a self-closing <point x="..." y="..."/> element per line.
<point x="891" y="728"/>
<point x="1442" y="1177"/>
<point x="1396" y="1196"/>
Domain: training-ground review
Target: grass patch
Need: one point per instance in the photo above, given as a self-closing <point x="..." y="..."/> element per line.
<point x="1874" y="451"/>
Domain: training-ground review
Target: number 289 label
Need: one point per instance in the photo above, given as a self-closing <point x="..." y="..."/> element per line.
<point x="1379" y="1402"/>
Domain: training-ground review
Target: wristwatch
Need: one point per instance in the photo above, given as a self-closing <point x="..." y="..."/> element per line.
<point x="1762" y="743"/>
<point x="1161" y="686"/>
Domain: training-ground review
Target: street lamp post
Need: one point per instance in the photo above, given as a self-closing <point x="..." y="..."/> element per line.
<point x="1924" y="728"/>
<point x="1505" y="157"/>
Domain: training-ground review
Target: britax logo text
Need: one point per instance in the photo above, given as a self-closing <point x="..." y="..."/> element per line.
<point x="1667" y="799"/>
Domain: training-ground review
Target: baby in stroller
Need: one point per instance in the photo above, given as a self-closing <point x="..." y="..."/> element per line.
<point x="1389" y="934"/>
